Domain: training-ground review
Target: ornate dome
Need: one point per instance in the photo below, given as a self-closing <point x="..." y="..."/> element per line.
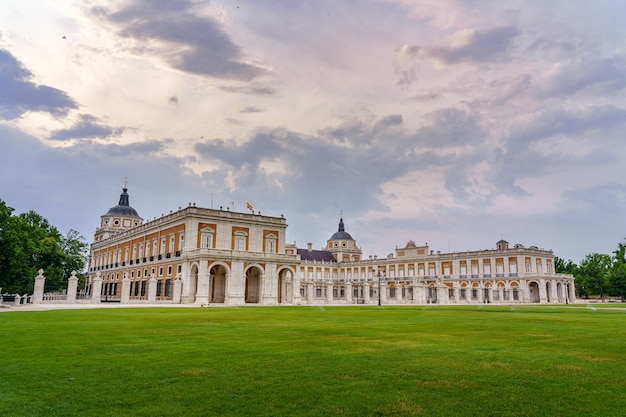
<point x="123" y="208"/>
<point x="341" y="234"/>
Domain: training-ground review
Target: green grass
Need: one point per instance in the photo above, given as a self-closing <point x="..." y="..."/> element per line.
<point x="308" y="361"/>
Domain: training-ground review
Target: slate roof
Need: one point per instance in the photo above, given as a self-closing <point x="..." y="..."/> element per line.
<point x="341" y="234"/>
<point x="123" y="208"/>
<point x="316" y="255"/>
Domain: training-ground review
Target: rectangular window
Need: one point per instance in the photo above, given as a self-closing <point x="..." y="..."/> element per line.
<point x="240" y="243"/>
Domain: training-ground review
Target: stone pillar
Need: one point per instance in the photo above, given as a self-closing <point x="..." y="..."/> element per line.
<point x="40" y="282"/>
<point x="17" y="300"/>
<point x="543" y="296"/>
<point x="125" y="294"/>
<point x="178" y="289"/>
<point x="72" y="286"/>
<point x="202" y="290"/>
<point x="479" y="292"/>
<point x="329" y="292"/>
<point x="309" y="292"/>
<point x="96" y="288"/>
<point x="152" y="287"/>
<point x="366" y="294"/>
<point x="490" y="295"/>
<point x="348" y="292"/>
<point x="399" y="293"/>
<point x="383" y="292"/>
<point x="442" y="293"/>
<point x="457" y="294"/>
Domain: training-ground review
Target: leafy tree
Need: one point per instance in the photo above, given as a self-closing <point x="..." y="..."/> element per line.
<point x="564" y="267"/>
<point x="29" y="243"/>
<point x="76" y="250"/>
<point x="617" y="277"/>
<point x="593" y="275"/>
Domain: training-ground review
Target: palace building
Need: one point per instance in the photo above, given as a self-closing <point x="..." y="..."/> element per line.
<point x="220" y="257"/>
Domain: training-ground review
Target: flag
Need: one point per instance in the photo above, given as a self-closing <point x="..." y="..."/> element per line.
<point x="249" y="206"/>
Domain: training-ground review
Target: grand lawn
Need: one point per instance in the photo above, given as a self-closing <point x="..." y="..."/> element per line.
<point x="308" y="361"/>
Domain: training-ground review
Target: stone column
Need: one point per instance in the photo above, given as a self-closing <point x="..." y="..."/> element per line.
<point x="366" y="294"/>
<point x="383" y="292"/>
<point x="152" y="287"/>
<point x="178" y="289"/>
<point x="442" y="293"/>
<point x="490" y="295"/>
<point x="96" y="288"/>
<point x="457" y="294"/>
<point x="329" y="292"/>
<point x="72" y="286"/>
<point x="202" y="290"/>
<point x="40" y="282"/>
<point x="17" y="300"/>
<point x="309" y="292"/>
<point x="543" y="296"/>
<point x="349" y="292"/>
<point x="125" y="294"/>
<point x="399" y="293"/>
<point x="479" y="292"/>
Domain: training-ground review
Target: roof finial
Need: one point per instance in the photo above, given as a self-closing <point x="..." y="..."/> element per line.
<point x="125" y="182"/>
<point x="341" y="214"/>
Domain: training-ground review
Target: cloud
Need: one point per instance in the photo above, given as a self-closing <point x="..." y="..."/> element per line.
<point x="467" y="46"/>
<point x="251" y="90"/>
<point x="19" y="95"/>
<point x="182" y="37"/>
<point x="87" y="127"/>
<point x="595" y="76"/>
<point x="251" y="109"/>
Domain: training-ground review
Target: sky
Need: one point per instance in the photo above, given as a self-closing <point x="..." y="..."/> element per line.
<point x="450" y="123"/>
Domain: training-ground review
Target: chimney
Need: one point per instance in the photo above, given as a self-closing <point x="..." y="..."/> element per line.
<point x="309" y="246"/>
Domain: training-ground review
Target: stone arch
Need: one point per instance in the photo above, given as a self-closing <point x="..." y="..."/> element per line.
<point x="285" y="285"/>
<point x="254" y="279"/>
<point x="533" y="291"/>
<point x="218" y="274"/>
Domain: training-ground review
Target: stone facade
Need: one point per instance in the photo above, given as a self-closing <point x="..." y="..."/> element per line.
<point x="203" y="256"/>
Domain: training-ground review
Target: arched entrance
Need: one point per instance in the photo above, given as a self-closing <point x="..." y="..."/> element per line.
<point x="549" y="292"/>
<point x="217" y="284"/>
<point x="285" y="292"/>
<point x="533" y="289"/>
<point x="253" y="285"/>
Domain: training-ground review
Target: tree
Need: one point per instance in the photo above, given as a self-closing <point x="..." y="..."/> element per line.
<point x="617" y="277"/>
<point x="28" y="242"/>
<point x="593" y="274"/>
<point x="564" y="267"/>
<point x="76" y="250"/>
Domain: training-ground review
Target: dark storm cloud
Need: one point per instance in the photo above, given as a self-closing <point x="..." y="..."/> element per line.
<point x="196" y="44"/>
<point x="19" y="95"/>
<point x="88" y="127"/>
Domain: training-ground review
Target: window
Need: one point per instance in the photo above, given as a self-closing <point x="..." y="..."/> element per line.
<point x="162" y="246"/>
<point x="147" y="248"/>
<point x="206" y="240"/>
<point x="241" y="240"/>
<point x="270" y="243"/>
<point x="171" y="246"/>
<point x="181" y="242"/>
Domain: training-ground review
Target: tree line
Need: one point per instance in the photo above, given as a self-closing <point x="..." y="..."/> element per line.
<point x="598" y="274"/>
<point x="28" y="242"/>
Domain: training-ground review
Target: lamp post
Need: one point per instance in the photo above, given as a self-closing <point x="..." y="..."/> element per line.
<point x="379" y="275"/>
